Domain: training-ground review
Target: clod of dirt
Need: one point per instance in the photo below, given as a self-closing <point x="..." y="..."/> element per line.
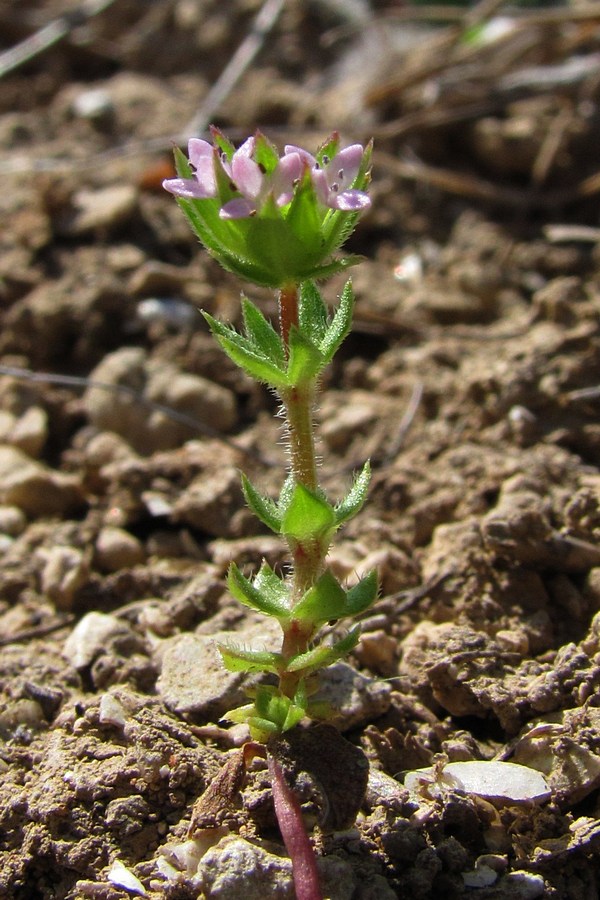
<point x="238" y="868"/>
<point x="36" y="489"/>
<point x="117" y="549"/>
<point x="564" y="746"/>
<point x="144" y="381"/>
<point x="91" y="637"/>
<point x="354" y="698"/>
<point x="192" y="679"/>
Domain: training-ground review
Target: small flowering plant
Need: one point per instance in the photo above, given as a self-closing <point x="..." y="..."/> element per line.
<point x="280" y="221"/>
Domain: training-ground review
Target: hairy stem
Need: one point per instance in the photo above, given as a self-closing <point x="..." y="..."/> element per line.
<point x="308" y="557"/>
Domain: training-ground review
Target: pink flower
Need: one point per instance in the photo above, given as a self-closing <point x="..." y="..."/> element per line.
<point x="245" y="174"/>
<point x="333" y="180"/>
<point x="204" y="186"/>
<point x="255" y="186"/>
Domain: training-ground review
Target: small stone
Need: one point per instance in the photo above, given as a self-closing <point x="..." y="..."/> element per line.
<point x="158" y="278"/>
<point x="34" y="488"/>
<point x="105" y="448"/>
<point x="90" y="636"/>
<point x="237" y="868"/>
<point x="501" y="783"/>
<point x="193" y="680"/>
<point x="31" y="431"/>
<point x="377" y="651"/>
<point x="167" y="311"/>
<point x="348" y="420"/>
<point x="117" y="549"/>
<point x="149" y="429"/>
<point x="7" y="424"/>
<point x="122" y="877"/>
<point x="95" y="104"/>
<point x="210" y="501"/>
<point x="12" y="521"/>
<point x="104" y="209"/>
<point x="522" y="885"/>
<point x="354" y="698"/>
<point x="65" y="571"/>
<point x="112" y="711"/>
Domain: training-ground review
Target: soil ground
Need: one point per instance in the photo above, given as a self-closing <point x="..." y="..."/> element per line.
<point x="471" y="379"/>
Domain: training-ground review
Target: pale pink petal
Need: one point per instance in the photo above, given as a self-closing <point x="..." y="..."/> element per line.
<point x="344" y="166"/>
<point x="304" y="154"/>
<point x="319" y="180"/>
<point x="246" y="149"/>
<point x="205" y="173"/>
<point x="198" y="149"/>
<point x="349" y="201"/>
<point x="188" y="188"/>
<point x="283" y="180"/>
<point x="238" y="208"/>
<point x="247" y="175"/>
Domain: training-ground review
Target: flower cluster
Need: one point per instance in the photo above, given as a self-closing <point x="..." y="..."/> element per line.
<point x="272" y="219"/>
<point x="332" y="179"/>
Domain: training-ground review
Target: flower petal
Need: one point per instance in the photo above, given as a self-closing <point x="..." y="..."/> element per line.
<point x="247" y="176"/>
<point x="319" y="180"/>
<point x="289" y="149"/>
<point x="349" y="201"/>
<point x="205" y="174"/>
<point x="245" y="149"/>
<point x="344" y="166"/>
<point x="288" y="171"/>
<point x="198" y="149"/>
<point x="238" y="208"/>
<point x="188" y="188"/>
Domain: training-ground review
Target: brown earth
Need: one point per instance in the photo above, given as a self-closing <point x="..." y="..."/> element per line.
<point x="472" y="380"/>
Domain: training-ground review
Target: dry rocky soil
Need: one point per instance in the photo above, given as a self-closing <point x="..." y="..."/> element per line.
<point x="471" y="379"/>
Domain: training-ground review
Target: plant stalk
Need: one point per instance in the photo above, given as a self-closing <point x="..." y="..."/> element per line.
<point x="295" y="838"/>
<point x="308" y="556"/>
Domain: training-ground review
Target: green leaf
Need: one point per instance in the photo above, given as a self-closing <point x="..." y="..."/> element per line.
<point x="218" y="236"/>
<point x="294" y="716"/>
<point x="328" y="149"/>
<point x="270" y="585"/>
<point x="326" y="270"/>
<point x="240" y="714"/>
<point x="236" y="659"/>
<point x="362" y="595"/>
<point x="223" y="143"/>
<point x="323" y="655"/>
<point x="241" y="351"/>
<point x="305" y="360"/>
<point x="261" y="729"/>
<point x="340" y="324"/>
<point x="303" y="220"/>
<point x="285" y="495"/>
<point x="307" y="514"/>
<point x="324" y="602"/>
<point x="263" y="507"/>
<point x="312" y="313"/>
<point x="356" y="496"/>
<point x="262" y="334"/>
<point x="249" y="595"/>
<point x="182" y="164"/>
<point x="265" y="153"/>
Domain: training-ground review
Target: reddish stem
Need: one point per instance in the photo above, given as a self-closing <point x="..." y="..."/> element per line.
<point x="288" y="311"/>
<point x="295" y="838"/>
